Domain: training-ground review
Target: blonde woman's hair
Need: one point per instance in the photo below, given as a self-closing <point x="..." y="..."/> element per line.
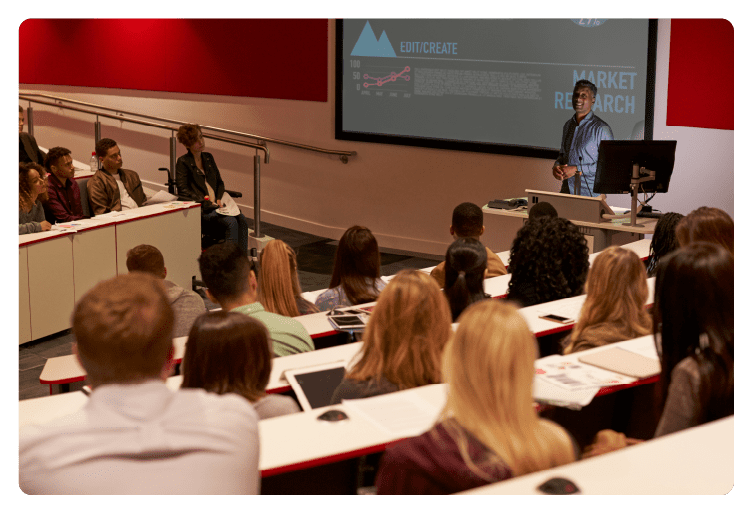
<point x="489" y="367"/>
<point x="406" y="333"/>
<point x="616" y="295"/>
<point x="278" y="284"/>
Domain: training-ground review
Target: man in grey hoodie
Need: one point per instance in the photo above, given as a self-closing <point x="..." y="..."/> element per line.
<point x="187" y="305"/>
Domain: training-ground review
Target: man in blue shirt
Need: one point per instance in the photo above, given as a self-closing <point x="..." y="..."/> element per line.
<point x="581" y="141"/>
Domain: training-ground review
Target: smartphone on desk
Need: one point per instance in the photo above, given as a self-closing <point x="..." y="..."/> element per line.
<point x="557" y="318"/>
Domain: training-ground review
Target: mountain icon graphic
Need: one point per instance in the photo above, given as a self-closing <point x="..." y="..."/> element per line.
<point x="368" y="46"/>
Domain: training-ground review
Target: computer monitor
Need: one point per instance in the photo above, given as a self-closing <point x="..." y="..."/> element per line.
<point x="616" y="160"/>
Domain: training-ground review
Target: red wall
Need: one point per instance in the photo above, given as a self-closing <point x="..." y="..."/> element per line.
<point x="285" y="59"/>
<point x="700" y="81"/>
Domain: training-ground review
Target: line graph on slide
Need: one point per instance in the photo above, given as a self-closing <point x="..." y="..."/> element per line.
<point x="392" y="77"/>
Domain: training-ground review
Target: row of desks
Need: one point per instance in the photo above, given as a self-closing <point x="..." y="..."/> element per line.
<point x="60" y="372"/>
<point x="56" y="268"/>
<point x="299" y="441"/>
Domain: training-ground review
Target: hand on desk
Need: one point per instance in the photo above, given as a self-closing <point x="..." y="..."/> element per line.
<point x="46" y="226"/>
<point x="608" y="441"/>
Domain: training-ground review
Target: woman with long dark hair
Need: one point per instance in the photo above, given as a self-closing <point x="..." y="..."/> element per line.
<point x="466" y="262"/>
<point x="356" y="278"/>
<point x="693" y="327"/>
<point x="664" y="241"/>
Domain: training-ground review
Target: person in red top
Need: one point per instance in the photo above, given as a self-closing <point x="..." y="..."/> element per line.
<point x="64" y="204"/>
<point x="489" y="430"/>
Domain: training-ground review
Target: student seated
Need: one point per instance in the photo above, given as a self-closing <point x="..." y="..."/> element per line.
<point x="464" y="270"/>
<point x="693" y="327"/>
<point x="549" y="260"/>
<point x="356" y="278"/>
<point x="28" y="150"/>
<point x="466" y="222"/>
<point x="198" y="179"/>
<point x="489" y="430"/>
<point x="112" y="188"/>
<point x="186" y="304"/>
<point x="614" y="309"/>
<point x="231" y="353"/>
<point x="231" y="281"/>
<point x="278" y="285"/>
<point x="134" y="435"/>
<point x="541" y="210"/>
<point x="64" y="204"/>
<point x="403" y="340"/>
<point x="32" y="187"/>
<point x="664" y="241"/>
<point x="706" y="224"/>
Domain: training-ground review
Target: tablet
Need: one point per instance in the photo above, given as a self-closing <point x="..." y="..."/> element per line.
<point x="622" y="361"/>
<point x="354" y="323"/>
<point x="314" y="386"/>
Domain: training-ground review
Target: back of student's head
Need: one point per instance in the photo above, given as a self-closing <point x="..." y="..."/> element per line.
<point x="693" y="317"/>
<point x="664" y="240"/>
<point x="224" y="268"/>
<point x="145" y="258"/>
<point x="357" y="265"/>
<point x="489" y="368"/>
<point x="406" y="333"/>
<point x="549" y="259"/>
<point x="617" y="292"/>
<point x="467" y="220"/>
<point x="541" y="210"/>
<point x="228" y="352"/>
<point x="706" y="224"/>
<point x="123" y="329"/>
<point x="466" y="261"/>
<point x="278" y="285"/>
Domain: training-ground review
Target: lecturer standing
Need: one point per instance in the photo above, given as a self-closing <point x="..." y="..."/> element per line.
<point x="581" y="141"/>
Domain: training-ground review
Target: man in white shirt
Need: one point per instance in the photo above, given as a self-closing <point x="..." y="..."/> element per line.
<point x="134" y="435"/>
<point x="113" y="188"/>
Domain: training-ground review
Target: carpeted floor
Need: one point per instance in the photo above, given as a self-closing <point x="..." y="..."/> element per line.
<point x="315" y="260"/>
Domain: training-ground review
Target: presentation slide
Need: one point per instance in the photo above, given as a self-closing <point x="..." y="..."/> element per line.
<point x="492" y="82"/>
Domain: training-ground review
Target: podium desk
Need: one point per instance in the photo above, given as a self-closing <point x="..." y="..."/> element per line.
<point x="697" y="460"/>
<point x="501" y="227"/>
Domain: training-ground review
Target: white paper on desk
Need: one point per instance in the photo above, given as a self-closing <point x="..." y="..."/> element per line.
<point x="65" y="228"/>
<point x="400" y="414"/>
<point x="161" y="196"/>
<point x="545" y="392"/>
<point x="110" y="215"/>
<point x="568" y="373"/>
<point x="568" y="309"/>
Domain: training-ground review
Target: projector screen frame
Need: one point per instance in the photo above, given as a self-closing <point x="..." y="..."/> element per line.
<point x="482" y="147"/>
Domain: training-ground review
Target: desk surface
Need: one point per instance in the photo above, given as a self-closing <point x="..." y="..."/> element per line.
<point x="697" y="460"/>
<point x="294" y="441"/>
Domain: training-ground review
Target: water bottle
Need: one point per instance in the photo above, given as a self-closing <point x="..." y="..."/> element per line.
<point x="94" y="163"/>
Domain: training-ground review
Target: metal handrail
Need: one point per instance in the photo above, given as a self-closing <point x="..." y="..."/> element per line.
<point x="343" y="155"/>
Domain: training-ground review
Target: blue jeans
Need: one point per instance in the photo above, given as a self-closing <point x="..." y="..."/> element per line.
<point x="233" y="229"/>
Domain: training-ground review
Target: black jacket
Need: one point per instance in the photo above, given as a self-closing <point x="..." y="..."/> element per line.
<point x="191" y="184"/>
<point x="28" y="151"/>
